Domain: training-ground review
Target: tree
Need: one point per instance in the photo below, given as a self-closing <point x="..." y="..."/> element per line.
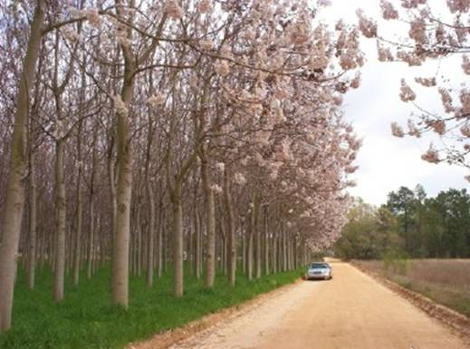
<point x="15" y="192"/>
<point x="402" y="205"/>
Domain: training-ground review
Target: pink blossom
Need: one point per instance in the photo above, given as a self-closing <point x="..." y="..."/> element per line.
<point x="431" y="155"/>
<point x="384" y="53"/>
<point x="367" y="27"/>
<point x="458" y="5"/>
<point x="426" y="82"/>
<point x="406" y="93"/>
<point x="324" y="3"/>
<point x="220" y="166"/>
<point x="204" y="6"/>
<point x="446" y="100"/>
<point x="465" y="101"/>
<point x="298" y="37"/>
<point x="411" y="58"/>
<point x="206" y="45"/>
<point x="356" y="82"/>
<point x="388" y="11"/>
<point x="217" y="189"/>
<point x="173" y="9"/>
<point x="418" y="31"/>
<point x="413" y="130"/>
<point x="222" y="68"/>
<point x="75" y="12"/>
<point x="156" y="100"/>
<point x="93" y="17"/>
<point x="239" y="178"/>
<point x="439" y="126"/>
<point x="465" y="130"/>
<point x="70" y="34"/>
<point x="412" y="3"/>
<point x="249" y="34"/>
<point x="466" y="64"/>
<point x="397" y="130"/>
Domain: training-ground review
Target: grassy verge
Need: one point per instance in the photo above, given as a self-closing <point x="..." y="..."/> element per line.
<point x="87" y="320"/>
<point x="445" y="281"/>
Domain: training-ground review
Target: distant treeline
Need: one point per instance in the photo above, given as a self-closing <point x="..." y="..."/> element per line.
<point x="409" y="224"/>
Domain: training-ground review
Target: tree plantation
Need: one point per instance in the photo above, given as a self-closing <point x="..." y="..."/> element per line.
<point x="162" y="160"/>
<point x="196" y="136"/>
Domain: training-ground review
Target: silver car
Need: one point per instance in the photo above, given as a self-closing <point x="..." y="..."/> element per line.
<point x="319" y="270"/>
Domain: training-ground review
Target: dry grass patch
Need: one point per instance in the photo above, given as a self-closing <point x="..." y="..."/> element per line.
<point x="446" y="281"/>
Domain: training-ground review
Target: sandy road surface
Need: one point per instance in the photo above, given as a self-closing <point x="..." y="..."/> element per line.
<point x="350" y="312"/>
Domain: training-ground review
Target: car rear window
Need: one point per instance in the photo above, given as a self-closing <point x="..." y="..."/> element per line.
<point x="319" y="266"/>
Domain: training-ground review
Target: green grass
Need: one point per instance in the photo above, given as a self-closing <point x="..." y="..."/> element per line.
<point x="87" y="320"/>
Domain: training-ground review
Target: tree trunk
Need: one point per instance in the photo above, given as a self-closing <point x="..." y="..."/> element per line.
<point x="249" y="247"/>
<point x="178" y="244"/>
<point x="31" y="268"/>
<point x="256" y="230"/>
<point x="210" y="225"/>
<point x="60" y="221"/>
<point x="198" y="252"/>
<point x="78" y="244"/>
<point x="266" y="241"/>
<point x="232" y="246"/>
<point x="120" y="269"/>
<point x="15" y="194"/>
<point x="160" y="243"/>
<point x="150" y="235"/>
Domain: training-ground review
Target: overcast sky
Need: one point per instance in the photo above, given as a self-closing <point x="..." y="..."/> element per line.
<point x="386" y="162"/>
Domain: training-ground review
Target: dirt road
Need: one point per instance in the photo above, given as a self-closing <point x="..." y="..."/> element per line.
<point x="350" y="312"/>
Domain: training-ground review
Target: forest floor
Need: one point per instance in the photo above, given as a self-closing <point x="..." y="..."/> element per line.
<point x="446" y="281"/>
<point x="351" y="311"/>
<point x="86" y="320"/>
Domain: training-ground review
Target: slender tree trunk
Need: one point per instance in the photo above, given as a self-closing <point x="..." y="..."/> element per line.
<point x="160" y="243"/>
<point x="249" y="247"/>
<point x="120" y="269"/>
<point x="138" y="243"/>
<point x="197" y="227"/>
<point x="150" y="234"/>
<point x="210" y="225"/>
<point x="232" y="246"/>
<point x="266" y="241"/>
<point x="274" y="253"/>
<point x="31" y="269"/>
<point x="91" y="217"/>
<point x="258" y="238"/>
<point x="60" y="222"/>
<point x="178" y="285"/>
<point x="15" y="194"/>
<point x="78" y="243"/>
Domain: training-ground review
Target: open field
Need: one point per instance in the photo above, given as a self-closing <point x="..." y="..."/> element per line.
<point x="87" y="320"/>
<point x="446" y="281"/>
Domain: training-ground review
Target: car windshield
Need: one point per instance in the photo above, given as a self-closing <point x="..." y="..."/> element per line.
<point x="319" y="266"/>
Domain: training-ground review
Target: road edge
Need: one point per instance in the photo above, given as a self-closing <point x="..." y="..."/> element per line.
<point x="457" y="322"/>
<point x="173" y="336"/>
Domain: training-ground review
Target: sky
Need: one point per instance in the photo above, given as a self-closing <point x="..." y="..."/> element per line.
<point x="386" y="162"/>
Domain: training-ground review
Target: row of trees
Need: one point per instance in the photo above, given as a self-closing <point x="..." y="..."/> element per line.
<point x="410" y="223"/>
<point x="153" y="133"/>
